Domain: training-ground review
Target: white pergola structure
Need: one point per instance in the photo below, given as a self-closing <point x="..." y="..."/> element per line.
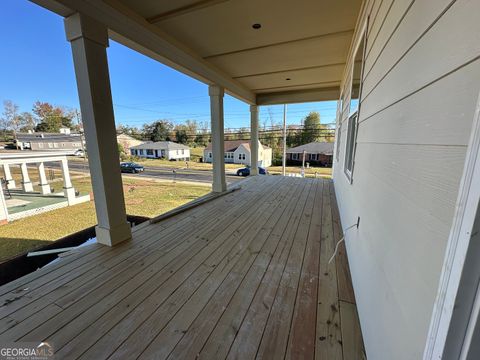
<point x="259" y="63"/>
<point x="38" y="159"/>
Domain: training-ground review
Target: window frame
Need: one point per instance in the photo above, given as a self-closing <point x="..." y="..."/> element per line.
<point x="352" y="120"/>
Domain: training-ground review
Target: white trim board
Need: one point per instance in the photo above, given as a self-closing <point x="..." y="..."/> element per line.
<point x="455" y="264"/>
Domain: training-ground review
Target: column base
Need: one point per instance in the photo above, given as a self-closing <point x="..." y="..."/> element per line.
<point x="45" y="189"/>
<point x="11" y="184"/>
<point x="69" y="193"/>
<point x="27" y="186"/>
<point x="113" y="236"/>
<point x="219" y="188"/>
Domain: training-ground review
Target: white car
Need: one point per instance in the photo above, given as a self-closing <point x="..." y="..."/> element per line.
<point x="79" y="152"/>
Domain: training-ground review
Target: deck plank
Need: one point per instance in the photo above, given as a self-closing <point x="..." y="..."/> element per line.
<point x="244" y="276"/>
<point x="345" y="288"/>
<point x="275" y="337"/>
<point x="301" y="343"/>
<point x="231" y="301"/>
<point x="351" y="334"/>
<point x="245" y="345"/>
<point x="329" y="336"/>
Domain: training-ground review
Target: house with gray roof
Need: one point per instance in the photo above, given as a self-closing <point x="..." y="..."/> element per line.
<point x="238" y="152"/>
<point x="161" y="150"/>
<point x="316" y="153"/>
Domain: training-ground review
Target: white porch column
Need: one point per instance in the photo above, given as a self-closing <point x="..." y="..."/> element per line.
<point x="68" y="188"/>
<point x="3" y="209"/>
<point x="89" y="40"/>
<point x="218" y="147"/>
<point x="26" y="183"/>
<point x="43" y="182"/>
<point x="253" y="139"/>
<point x="8" y="177"/>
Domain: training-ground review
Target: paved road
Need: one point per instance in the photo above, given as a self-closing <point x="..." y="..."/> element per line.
<point x="203" y="176"/>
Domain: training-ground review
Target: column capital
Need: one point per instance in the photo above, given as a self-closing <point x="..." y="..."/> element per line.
<point x="254" y="108"/>
<point x="215" y="90"/>
<point x="79" y="26"/>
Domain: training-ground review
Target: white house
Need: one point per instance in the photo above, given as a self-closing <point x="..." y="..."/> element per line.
<point x="161" y="150"/>
<point x="238" y="152"/>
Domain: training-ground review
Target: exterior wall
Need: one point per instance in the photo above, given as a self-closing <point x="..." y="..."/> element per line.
<point x="157" y="154"/>
<point x="420" y="84"/>
<point x="264" y="156"/>
<point x="181" y="154"/>
<point x="55" y="145"/>
<point x="239" y="152"/>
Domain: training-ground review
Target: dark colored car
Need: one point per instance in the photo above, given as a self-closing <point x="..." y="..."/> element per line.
<point x="246" y="171"/>
<point x="129" y="167"/>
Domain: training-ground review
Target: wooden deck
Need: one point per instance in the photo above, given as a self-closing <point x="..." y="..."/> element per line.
<point x="244" y="276"/>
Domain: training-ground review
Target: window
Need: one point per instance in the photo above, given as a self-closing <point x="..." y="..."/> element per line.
<point x="313" y="157"/>
<point x="241" y="156"/>
<point x="149" y="152"/>
<point x="295" y="156"/>
<point x="354" y="108"/>
<point x="183" y="151"/>
<point x="210" y="155"/>
<point x="350" y="148"/>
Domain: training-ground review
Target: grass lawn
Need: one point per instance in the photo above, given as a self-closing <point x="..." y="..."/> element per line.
<point x="142" y="197"/>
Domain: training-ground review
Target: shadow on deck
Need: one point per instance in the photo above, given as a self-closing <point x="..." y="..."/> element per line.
<point x="243" y="276"/>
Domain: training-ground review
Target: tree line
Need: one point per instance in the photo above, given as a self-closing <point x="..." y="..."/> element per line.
<point x="44" y="117"/>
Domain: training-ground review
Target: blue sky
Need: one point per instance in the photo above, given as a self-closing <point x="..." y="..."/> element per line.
<point x="36" y="64"/>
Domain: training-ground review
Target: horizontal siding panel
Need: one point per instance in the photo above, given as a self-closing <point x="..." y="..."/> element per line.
<point x="378" y="23"/>
<point x="431" y="116"/>
<point x="426" y="175"/>
<point x="444" y="48"/>
<point x="420" y="16"/>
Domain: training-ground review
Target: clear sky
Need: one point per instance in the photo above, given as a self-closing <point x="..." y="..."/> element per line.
<point x="36" y="64"/>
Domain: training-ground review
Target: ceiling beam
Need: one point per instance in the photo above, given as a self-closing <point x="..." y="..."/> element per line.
<point x="299" y="96"/>
<point x="334" y="34"/>
<point x="183" y="10"/>
<point x="132" y="30"/>
<point x="289" y="70"/>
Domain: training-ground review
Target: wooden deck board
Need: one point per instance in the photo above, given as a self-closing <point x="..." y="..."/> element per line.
<point x="244" y="276"/>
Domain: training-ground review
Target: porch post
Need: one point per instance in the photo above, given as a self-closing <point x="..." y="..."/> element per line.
<point x="43" y="183"/>
<point x="3" y="209"/>
<point x="26" y="183"/>
<point x="89" y="40"/>
<point x="68" y="189"/>
<point x="253" y="139"/>
<point x="218" y="147"/>
<point x="8" y="177"/>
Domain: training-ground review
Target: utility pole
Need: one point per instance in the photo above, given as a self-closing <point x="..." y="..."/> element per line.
<point x="284" y="158"/>
<point x="303" y="163"/>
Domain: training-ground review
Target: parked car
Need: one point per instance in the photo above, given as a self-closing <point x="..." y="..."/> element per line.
<point x="246" y="171"/>
<point x="79" y="152"/>
<point x="129" y="167"/>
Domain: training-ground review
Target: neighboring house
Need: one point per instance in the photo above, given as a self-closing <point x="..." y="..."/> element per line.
<point x="238" y="152"/>
<point x="127" y="142"/>
<point x="161" y="150"/>
<point x="49" y="141"/>
<point x="316" y="153"/>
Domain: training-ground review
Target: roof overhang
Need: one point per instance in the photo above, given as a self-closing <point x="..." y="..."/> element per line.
<point x="298" y="55"/>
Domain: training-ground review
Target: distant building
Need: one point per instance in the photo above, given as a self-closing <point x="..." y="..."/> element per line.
<point x="316" y="153"/>
<point x="161" y="150"/>
<point x="127" y="142"/>
<point x="238" y="152"/>
<point x="40" y="141"/>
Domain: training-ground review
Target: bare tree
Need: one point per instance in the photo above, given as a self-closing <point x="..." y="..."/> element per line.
<point x="11" y="119"/>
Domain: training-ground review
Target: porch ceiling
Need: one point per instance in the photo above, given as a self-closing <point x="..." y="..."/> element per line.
<point x="306" y="41"/>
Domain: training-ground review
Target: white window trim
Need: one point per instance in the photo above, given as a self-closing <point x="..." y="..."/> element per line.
<point x="349" y="173"/>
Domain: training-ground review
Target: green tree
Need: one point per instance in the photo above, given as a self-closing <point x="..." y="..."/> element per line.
<point x="51" y="118"/>
<point x="311" y="127"/>
<point x="121" y="152"/>
<point x="159" y="130"/>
